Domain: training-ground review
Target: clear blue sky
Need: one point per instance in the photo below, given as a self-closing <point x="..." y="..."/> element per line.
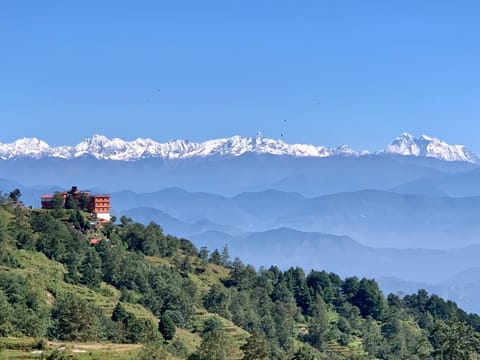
<point x="354" y="72"/>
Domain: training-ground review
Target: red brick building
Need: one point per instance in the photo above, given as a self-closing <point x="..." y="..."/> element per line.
<point x="99" y="205"/>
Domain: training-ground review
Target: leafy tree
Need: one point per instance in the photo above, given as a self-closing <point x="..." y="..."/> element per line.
<point x="139" y="330"/>
<point x="70" y="202"/>
<point x="215" y="343"/>
<point x="241" y="276"/>
<point x="179" y="349"/>
<point x="350" y="287"/>
<point x="7" y="258"/>
<point x="21" y="230"/>
<point x="319" y="327"/>
<point x="305" y="353"/>
<point x="119" y="313"/>
<point x="244" y="311"/>
<point x="154" y="242"/>
<point x="320" y="284"/>
<point x="215" y="257"/>
<point x="58" y="201"/>
<point x="6" y="316"/>
<point x="373" y="341"/>
<point x="417" y="301"/>
<point x="211" y="325"/>
<point x="14" y="195"/>
<point x="91" y="269"/>
<point x="183" y="264"/>
<point x="369" y="299"/>
<point x="203" y="253"/>
<point x="52" y="237"/>
<point x="256" y="347"/>
<point x="124" y="221"/>
<point x="284" y="315"/>
<point x="5" y="237"/>
<point x="74" y="319"/>
<point x="454" y="340"/>
<point x="218" y="301"/>
<point x="83" y="201"/>
<point x="166" y="326"/>
<point x="27" y="313"/>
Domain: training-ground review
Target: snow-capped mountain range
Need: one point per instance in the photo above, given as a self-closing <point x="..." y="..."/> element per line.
<point x="427" y="146"/>
<point x="101" y="147"/>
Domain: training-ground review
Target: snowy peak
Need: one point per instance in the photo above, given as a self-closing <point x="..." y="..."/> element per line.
<point x="104" y="148"/>
<point x="101" y="147"/>
<point x="25" y="147"/>
<point x="426" y="146"/>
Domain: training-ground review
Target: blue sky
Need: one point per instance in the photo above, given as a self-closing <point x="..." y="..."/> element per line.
<point x="354" y="72"/>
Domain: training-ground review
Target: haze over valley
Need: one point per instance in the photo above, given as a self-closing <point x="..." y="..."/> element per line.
<point x="411" y="210"/>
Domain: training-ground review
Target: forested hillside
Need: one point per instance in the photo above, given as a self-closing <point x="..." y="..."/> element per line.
<point x="64" y="284"/>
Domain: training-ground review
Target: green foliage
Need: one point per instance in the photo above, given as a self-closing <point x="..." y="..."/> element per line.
<point x="319" y="324"/>
<point x="23" y="308"/>
<point x="53" y="236"/>
<point x="59" y="355"/>
<point x="305" y="353"/>
<point x="288" y="314"/>
<point x="128" y="328"/>
<point x="453" y="340"/>
<point x="225" y="257"/>
<point x="153" y="351"/>
<point x="178" y="348"/>
<point x="14" y="195"/>
<point x="75" y="319"/>
<point x="21" y="230"/>
<point x="319" y="283"/>
<point x="218" y="301"/>
<point x="71" y="203"/>
<point x="6" y="316"/>
<point x="91" y="269"/>
<point x="215" y="257"/>
<point x="7" y="257"/>
<point x="58" y="205"/>
<point x="256" y="348"/>
<point x="203" y="254"/>
<point x="215" y="343"/>
<point x="119" y="313"/>
<point x="82" y="202"/>
<point x="166" y="326"/>
<point x="369" y="299"/>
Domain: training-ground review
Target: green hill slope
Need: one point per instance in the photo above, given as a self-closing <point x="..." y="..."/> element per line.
<point x="140" y="294"/>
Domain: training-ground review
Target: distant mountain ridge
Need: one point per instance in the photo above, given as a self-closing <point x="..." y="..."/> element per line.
<point x="427" y="146"/>
<point x="372" y="217"/>
<point x="101" y="147"/>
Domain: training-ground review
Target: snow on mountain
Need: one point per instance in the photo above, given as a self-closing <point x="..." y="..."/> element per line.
<point x="101" y="147"/>
<point x="425" y="146"/>
<point x="25" y="147"/>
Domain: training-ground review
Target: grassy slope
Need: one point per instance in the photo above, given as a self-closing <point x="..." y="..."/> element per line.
<point x="26" y="348"/>
<point x="49" y="274"/>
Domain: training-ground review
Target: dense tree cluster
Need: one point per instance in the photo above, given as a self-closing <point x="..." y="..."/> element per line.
<point x="288" y="314"/>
